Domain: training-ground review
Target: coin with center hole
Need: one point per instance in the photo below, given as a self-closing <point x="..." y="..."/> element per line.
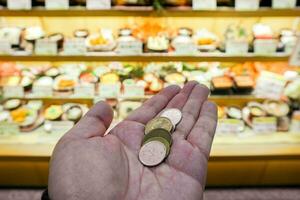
<point x="173" y="114"/>
<point x="152" y="153"/>
<point x="159" y="122"/>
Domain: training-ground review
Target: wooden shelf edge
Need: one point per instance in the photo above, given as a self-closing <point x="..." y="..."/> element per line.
<point x="148" y="58"/>
<point x="148" y="11"/>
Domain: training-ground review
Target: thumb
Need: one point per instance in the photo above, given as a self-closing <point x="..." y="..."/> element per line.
<point x="94" y="123"/>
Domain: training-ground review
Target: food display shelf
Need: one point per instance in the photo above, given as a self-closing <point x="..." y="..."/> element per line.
<point x="157" y="57"/>
<point x="149" y="11"/>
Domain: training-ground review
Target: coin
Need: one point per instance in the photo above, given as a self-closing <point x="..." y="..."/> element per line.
<point x="173" y="114"/>
<point x="152" y="153"/>
<point x="159" y="122"/>
<point x="158" y="132"/>
<point x="160" y="139"/>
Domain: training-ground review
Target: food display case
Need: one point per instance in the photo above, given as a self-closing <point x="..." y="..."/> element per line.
<point x="56" y="61"/>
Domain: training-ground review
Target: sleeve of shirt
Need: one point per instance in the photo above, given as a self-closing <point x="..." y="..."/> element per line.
<point x="45" y="195"/>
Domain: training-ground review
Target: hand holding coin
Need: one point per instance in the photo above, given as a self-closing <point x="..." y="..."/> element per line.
<point x="158" y="152"/>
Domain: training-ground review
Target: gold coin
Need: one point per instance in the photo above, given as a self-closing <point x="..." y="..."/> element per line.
<point x="159" y="122"/>
<point x="159" y="132"/>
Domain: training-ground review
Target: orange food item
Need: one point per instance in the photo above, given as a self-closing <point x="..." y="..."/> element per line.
<point x="244" y="81"/>
<point x="66" y="83"/>
<point x="147" y="29"/>
<point x="222" y="82"/>
<point x="205" y="41"/>
<point x="19" y="115"/>
<point x="98" y="41"/>
<point x="9" y="69"/>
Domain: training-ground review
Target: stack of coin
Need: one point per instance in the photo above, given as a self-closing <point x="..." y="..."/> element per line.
<point x="157" y="141"/>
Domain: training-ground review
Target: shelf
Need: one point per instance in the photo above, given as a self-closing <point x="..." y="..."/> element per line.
<point x="159" y="57"/>
<point x="148" y="11"/>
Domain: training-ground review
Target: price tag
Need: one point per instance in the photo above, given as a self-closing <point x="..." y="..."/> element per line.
<point x="19" y="4"/>
<point x="13" y="91"/>
<point x="230" y="126"/>
<point x="45" y="47"/>
<point x="270" y="85"/>
<point x="185" y="49"/>
<point x="7" y="128"/>
<point x="264" y="124"/>
<point x="284" y="3"/>
<point x="5" y="47"/>
<point x="109" y="90"/>
<point x="98" y="4"/>
<point x="204" y="4"/>
<point x="86" y="90"/>
<point x="295" y="57"/>
<point x="75" y="46"/>
<point x="42" y="91"/>
<point x="265" y="46"/>
<point x="130" y="48"/>
<point x="98" y="98"/>
<point x="57" y="4"/>
<point x="134" y="91"/>
<point x="246" y="4"/>
<point x="237" y="47"/>
<point x="58" y="126"/>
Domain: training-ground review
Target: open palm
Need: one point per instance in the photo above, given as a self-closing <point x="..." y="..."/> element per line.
<point x="88" y="165"/>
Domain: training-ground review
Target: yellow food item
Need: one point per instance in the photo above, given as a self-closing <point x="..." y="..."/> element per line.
<point x="109" y="78"/>
<point x="66" y="84"/>
<point x="19" y="115"/>
<point x="98" y="41"/>
<point x="205" y="41"/>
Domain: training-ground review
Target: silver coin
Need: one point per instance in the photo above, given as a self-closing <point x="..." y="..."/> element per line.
<point x="152" y="153"/>
<point x="173" y="114"/>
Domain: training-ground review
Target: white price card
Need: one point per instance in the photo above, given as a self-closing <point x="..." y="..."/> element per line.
<point x="265" y="46"/>
<point x="246" y="4"/>
<point x="130" y="48"/>
<point x="58" y="126"/>
<point x="295" y="57"/>
<point x="98" y="4"/>
<point x="279" y="4"/>
<point x="42" y="91"/>
<point x="5" y="47"/>
<point x="185" y="49"/>
<point x="236" y="47"/>
<point x="19" y="4"/>
<point x="8" y="129"/>
<point x="109" y="90"/>
<point x="204" y="4"/>
<point x="84" y="90"/>
<point x="133" y="91"/>
<point x="270" y="85"/>
<point x="230" y="126"/>
<point x="264" y="124"/>
<point x="13" y="91"/>
<point x="45" y="47"/>
<point x="57" y="4"/>
<point x="75" y="46"/>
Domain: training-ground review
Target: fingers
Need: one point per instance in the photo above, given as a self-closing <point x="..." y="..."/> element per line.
<point x="154" y="105"/>
<point x="203" y="132"/>
<point x="94" y="123"/>
<point x="191" y="110"/>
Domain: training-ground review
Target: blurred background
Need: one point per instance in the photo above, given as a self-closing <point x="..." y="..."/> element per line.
<point x="59" y="57"/>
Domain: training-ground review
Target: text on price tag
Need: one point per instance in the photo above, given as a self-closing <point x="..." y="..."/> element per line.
<point x="98" y="4"/>
<point x="185" y="49"/>
<point x="86" y="90"/>
<point x="13" y="91"/>
<point x="45" y="47"/>
<point x="42" y="91"/>
<point x="295" y="57"/>
<point x="19" y="4"/>
<point x="270" y="85"/>
<point x="204" y="4"/>
<point x="75" y="46"/>
<point x="284" y="3"/>
<point x="58" y="126"/>
<point x="5" y="47"/>
<point x="130" y="48"/>
<point x="57" y="4"/>
<point x="109" y="90"/>
<point x="265" y="46"/>
<point x="264" y="124"/>
<point x="230" y="126"/>
<point x="133" y="91"/>
<point x="7" y="128"/>
<point x="236" y="47"/>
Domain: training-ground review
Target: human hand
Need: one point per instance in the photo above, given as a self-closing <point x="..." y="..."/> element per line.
<point x="87" y="165"/>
